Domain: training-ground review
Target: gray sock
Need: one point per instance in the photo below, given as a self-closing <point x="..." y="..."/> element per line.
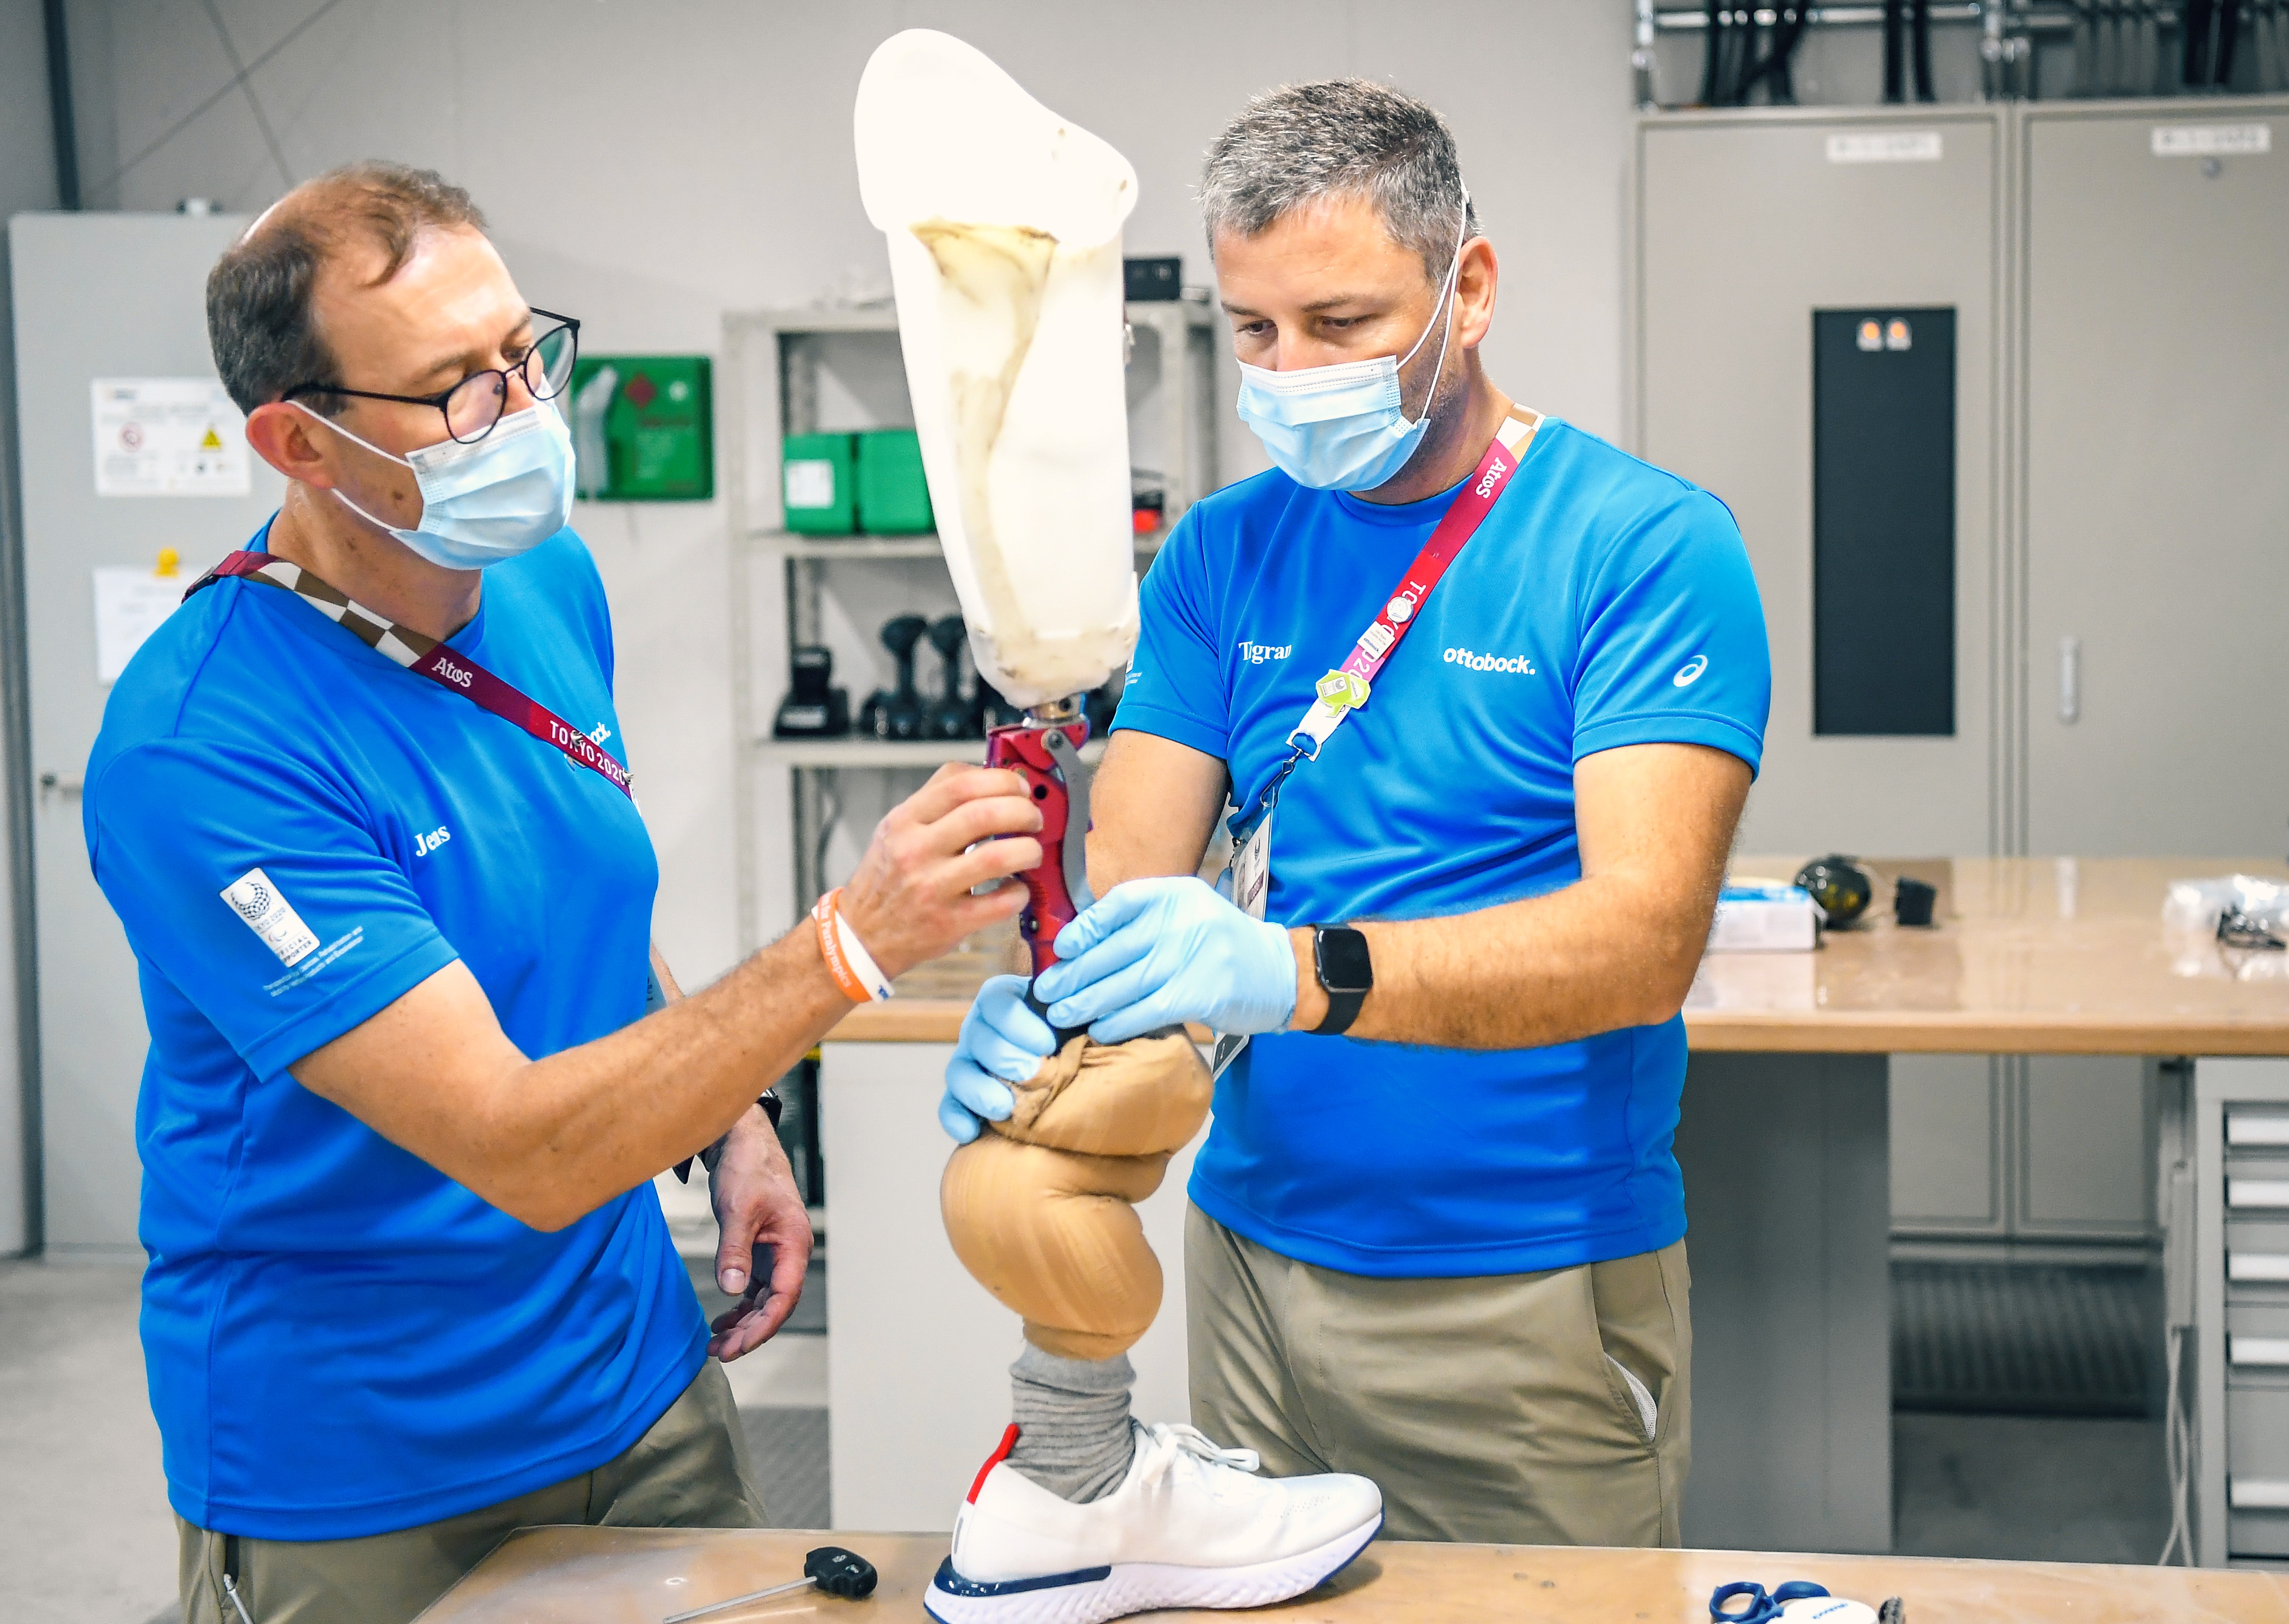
<point x="1073" y="1431"/>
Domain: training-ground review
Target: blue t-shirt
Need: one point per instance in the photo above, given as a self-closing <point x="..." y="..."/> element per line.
<point x="1602" y="602"/>
<point x="339" y="1340"/>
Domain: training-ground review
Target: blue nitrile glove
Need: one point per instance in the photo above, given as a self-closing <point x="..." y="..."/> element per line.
<point x="1157" y="951"/>
<point x="1002" y="1042"/>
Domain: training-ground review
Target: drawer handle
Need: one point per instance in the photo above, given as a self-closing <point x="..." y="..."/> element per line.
<point x="2257" y="1266"/>
<point x="2257" y="1130"/>
<point x="2257" y="1192"/>
<point x="2258" y="1493"/>
<point x="2257" y="1350"/>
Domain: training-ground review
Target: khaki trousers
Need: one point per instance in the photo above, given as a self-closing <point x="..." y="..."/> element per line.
<point x="690" y="1471"/>
<point x="1488" y="1409"/>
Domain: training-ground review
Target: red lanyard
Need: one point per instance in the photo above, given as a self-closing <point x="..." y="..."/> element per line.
<point x="1345" y="689"/>
<point x="447" y="667"/>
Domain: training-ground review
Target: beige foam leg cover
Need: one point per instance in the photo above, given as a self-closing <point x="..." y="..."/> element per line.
<point x="1041" y="1208"/>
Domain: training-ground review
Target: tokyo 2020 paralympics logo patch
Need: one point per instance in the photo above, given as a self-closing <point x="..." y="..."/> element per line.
<point x="270" y="916"/>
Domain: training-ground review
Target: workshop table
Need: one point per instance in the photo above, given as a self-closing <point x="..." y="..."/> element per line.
<point x="641" y="1575"/>
<point x="1784" y="1143"/>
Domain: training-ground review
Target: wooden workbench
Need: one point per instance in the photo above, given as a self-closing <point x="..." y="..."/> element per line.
<point x="2026" y="956"/>
<point x="640" y="1576"/>
<point x="1784" y="1141"/>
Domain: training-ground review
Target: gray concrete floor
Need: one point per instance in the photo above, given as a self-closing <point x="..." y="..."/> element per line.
<point x="2029" y="1488"/>
<point x="85" y="1534"/>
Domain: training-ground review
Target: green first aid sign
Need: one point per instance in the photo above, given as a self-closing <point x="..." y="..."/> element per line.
<point x="643" y="428"/>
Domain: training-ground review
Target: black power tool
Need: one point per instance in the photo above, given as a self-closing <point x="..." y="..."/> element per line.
<point x="812" y="708"/>
<point x="951" y="716"/>
<point x="897" y="712"/>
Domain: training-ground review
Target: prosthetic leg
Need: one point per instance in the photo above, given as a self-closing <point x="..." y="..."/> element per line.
<point x="1003" y="223"/>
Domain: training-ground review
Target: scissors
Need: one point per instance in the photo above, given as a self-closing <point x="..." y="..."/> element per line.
<point x="1762" y="1608"/>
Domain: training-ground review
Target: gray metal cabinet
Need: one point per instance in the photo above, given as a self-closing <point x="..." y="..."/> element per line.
<point x="2155" y="403"/>
<point x="2228" y="1271"/>
<point x="2121" y="511"/>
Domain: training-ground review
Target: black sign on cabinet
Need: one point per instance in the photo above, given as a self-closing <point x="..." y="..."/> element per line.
<point x="1883" y="522"/>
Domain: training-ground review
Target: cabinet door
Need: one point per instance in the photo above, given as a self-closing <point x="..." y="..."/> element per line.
<point x="2085" y="1156"/>
<point x="2157" y="481"/>
<point x="2043" y="1147"/>
<point x="1947" y="1166"/>
<point x="1747" y="225"/>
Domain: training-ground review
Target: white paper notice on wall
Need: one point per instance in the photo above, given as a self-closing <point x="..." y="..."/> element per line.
<point x="130" y="604"/>
<point x="2212" y="140"/>
<point x="1886" y="146"/>
<point x="169" y="437"/>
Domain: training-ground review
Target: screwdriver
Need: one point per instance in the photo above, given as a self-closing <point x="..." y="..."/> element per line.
<point x="830" y="1567"/>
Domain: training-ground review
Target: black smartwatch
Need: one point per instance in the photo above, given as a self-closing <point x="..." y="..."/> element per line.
<point x="1346" y="975"/>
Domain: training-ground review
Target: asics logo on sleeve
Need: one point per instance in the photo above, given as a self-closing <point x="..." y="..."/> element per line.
<point x="1516" y="663"/>
<point x="1257" y="654"/>
<point x="1690" y="672"/>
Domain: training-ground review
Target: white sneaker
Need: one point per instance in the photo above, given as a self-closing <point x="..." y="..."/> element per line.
<point x="1188" y="1527"/>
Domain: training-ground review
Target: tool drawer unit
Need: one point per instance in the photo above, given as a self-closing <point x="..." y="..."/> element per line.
<point x="2240" y="1259"/>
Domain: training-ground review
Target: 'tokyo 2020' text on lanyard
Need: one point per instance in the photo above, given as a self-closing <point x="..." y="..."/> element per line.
<point x="426" y="656"/>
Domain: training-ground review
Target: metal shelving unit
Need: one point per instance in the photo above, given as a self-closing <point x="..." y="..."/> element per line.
<point x="771" y="389"/>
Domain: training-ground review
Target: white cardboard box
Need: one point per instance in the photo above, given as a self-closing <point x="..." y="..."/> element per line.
<point x="1765" y="919"/>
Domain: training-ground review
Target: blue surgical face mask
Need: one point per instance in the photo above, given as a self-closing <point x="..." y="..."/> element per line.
<point x="1344" y="427"/>
<point x="488" y="501"/>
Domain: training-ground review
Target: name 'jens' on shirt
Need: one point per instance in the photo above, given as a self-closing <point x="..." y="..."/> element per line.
<point x="424" y="844"/>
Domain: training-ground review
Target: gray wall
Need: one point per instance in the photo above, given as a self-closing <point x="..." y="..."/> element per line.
<point x="648" y="166"/>
<point x="27" y="181"/>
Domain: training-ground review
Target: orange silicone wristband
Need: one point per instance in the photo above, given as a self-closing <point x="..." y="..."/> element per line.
<point x="830" y="948"/>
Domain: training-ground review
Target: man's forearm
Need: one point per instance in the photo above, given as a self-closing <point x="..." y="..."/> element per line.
<point x="608" y="1115"/>
<point x="1597" y="956"/>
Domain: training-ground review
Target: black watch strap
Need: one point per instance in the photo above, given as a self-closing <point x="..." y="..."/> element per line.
<point x="772" y="1106"/>
<point x="1346" y="973"/>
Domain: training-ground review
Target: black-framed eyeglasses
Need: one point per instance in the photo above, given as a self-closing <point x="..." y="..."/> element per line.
<point x="474" y="405"/>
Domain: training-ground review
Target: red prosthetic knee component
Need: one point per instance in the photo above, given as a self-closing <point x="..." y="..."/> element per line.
<point x="1048" y="759"/>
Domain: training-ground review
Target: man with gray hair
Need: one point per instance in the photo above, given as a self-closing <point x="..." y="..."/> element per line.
<point x="1437" y="1234"/>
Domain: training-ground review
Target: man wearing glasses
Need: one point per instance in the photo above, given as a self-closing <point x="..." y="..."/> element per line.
<point x="364" y="809"/>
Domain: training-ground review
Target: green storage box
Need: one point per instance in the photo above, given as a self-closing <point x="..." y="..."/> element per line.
<point x="893" y="496"/>
<point x="816" y="485"/>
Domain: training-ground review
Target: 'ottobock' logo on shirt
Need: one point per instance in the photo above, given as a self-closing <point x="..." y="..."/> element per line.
<point x="1515" y="663"/>
<point x="1690" y="672"/>
<point x="1257" y="654"/>
<point x="270" y="916"/>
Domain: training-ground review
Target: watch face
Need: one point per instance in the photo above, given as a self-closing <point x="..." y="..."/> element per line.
<point x="1343" y="961"/>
